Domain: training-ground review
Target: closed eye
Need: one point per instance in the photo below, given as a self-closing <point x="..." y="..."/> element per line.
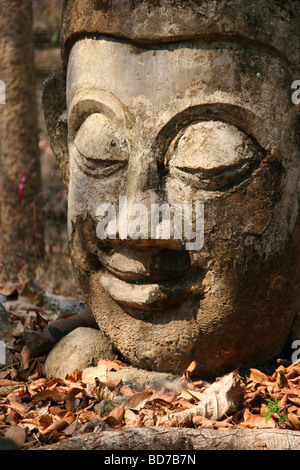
<point x="98" y="167"/>
<point x="213" y="155"/>
<point x="101" y="147"/>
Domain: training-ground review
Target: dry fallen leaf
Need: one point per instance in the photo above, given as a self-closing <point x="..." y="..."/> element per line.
<point x="221" y="398"/>
<point x="43" y="421"/>
<point x="294" y="420"/>
<point x="19" y="407"/>
<point x="100" y="371"/>
<point x="8" y="382"/>
<point x="191" y="394"/>
<point x="58" y="426"/>
<point x="189" y="371"/>
<point x="102" y="392"/>
<point x="130" y="417"/>
<point x="25" y="357"/>
<point x="16" y="434"/>
<point x="72" y="428"/>
<point x="258" y="421"/>
<point x="5" y="391"/>
<point x="118" y="413"/>
<point x="126" y="391"/>
<point x="201" y="422"/>
<point x="53" y="395"/>
<point x="137" y="401"/>
<point x="259" y="377"/>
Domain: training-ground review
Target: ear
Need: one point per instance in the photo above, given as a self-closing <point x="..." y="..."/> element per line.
<point x="55" y="111"/>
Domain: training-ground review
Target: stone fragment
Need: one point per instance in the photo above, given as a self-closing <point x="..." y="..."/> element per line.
<point x="81" y="348"/>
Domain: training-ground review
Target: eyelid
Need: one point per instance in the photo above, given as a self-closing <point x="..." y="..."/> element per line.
<point x="101" y="139"/>
<point x="213" y="155"/>
<point x="100" y="148"/>
<point x="87" y="101"/>
<point x="98" y="169"/>
<point x="211" y="146"/>
<point x="244" y="119"/>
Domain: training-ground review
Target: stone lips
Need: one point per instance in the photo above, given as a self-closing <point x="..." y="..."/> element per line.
<point x="270" y="24"/>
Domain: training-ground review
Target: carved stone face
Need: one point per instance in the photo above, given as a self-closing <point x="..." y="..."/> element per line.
<point x="185" y="123"/>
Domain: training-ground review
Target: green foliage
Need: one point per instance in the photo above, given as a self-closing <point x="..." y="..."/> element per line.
<point x="41" y="127"/>
<point x="55" y="38"/>
<point x="53" y="308"/>
<point x="273" y="407"/>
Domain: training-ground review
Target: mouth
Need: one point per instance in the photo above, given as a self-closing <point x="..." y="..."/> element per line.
<point x="151" y="296"/>
<point x="135" y="283"/>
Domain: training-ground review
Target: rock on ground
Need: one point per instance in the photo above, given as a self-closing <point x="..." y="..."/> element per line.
<point x="81" y="348"/>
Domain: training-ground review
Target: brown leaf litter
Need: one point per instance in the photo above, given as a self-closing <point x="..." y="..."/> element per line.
<point x="36" y="411"/>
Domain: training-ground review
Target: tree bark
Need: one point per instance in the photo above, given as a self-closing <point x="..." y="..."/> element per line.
<point x="182" y="439"/>
<point x="21" y="225"/>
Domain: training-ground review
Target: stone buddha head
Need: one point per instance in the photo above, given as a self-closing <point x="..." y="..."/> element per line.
<point x="183" y="107"/>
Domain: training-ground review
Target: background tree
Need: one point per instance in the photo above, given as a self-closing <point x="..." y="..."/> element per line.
<point x="21" y="222"/>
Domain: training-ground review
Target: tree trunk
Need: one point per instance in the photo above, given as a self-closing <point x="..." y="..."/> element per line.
<point x="182" y="439"/>
<point x="21" y="225"/>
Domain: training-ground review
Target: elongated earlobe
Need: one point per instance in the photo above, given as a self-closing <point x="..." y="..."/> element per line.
<point x="55" y="110"/>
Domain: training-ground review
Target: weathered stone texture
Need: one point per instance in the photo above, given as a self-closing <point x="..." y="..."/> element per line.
<point x="184" y="102"/>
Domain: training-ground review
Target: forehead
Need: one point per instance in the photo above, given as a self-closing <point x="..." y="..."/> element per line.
<point x="157" y="72"/>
